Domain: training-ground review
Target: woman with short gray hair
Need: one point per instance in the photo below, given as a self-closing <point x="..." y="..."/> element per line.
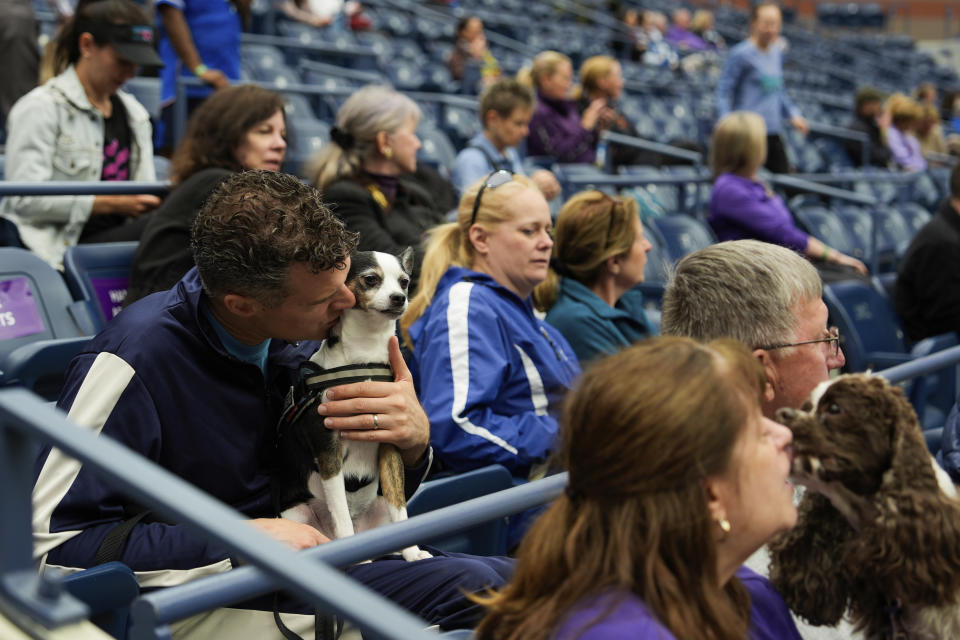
<point x="364" y="171"/>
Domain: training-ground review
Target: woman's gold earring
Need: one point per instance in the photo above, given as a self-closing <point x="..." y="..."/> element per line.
<point x="388" y="153"/>
<point x="724" y="525"/>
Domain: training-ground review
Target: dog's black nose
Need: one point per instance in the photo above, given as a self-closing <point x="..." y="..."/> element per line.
<point x="786" y="413"/>
<point x="397" y="299"/>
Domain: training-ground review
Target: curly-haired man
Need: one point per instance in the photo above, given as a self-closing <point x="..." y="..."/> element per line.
<point x="194" y="378"/>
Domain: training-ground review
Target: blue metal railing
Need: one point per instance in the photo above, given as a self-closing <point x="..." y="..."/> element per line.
<point x="154" y="610"/>
<point x="24" y="417"/>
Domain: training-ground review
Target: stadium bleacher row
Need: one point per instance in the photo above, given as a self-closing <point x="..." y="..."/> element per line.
<point x="407" y="46"/>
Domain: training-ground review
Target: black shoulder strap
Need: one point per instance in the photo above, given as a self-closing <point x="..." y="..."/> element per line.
<point x="112" y="546"/>
<point x="496" y="164"/>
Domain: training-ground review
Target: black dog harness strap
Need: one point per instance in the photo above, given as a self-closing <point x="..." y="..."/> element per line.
<point x="314" y="380"/>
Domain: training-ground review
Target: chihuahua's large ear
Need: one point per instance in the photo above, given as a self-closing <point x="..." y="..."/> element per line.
<point x="406" y="259"/>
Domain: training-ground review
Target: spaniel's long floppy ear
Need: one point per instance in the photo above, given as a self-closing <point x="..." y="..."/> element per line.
<point x="807" y="563"/>
<point x="911" y="541"/>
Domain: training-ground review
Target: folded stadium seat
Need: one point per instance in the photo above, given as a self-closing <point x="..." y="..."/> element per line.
<point x="683" y="234"/>
<point x="297" y="106"/>
<point x="884" y="283"/>
<point x="37" y="306"/>
<point x="924" y="191"/>
<point x="147" y="93"/>
<point x="872" y="339"/>
<point x="657" y="270"/>
<point x="262" y="59"/>
<point x="100" y="273"/>
<point x="859" y="225"/>
<point x="459" y="123"/>
<point x="436" y="148"/>
<point x="333" y="76"/>
<point x="307" y="136"/>
<point x="161" y="168"/>
<point x="437" y="79"/>
<point x="914" y="215"/>
<point x="487" y="539"/>
<point x="108" y="590"/>
<point x="406" y="75"/>
<point x="833" y="153"/>
<point x="409" y="49"/>
<point x="397" y="23"/>
<point x="381" y="44"/>
<point x="824" y="225"/>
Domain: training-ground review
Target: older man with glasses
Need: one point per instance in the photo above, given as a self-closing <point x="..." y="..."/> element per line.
<point x="769" y="298"/>
<point x="766" y="296"/>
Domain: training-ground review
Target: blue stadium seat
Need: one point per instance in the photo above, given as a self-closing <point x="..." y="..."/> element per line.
<point x="262" y="59"/>
<point x="436" y="149"/>
<point x="100" y="273"/>
<point x="108" y="590"/>
<point x="824" y="225"/>
<point x="683" y="234"/>
<point x="35" y="306"/>
<point x="872" y="339"/>
<point x="859" y="225"/>
<point x="307" y="137"/>
<point x="914" y="215"/>
<point x="147" y="93"/>
<point x="297" y="107"/>
<point x="657" y="269"/>
<point x="487" y="539"/>
<point x="406" y="75"/>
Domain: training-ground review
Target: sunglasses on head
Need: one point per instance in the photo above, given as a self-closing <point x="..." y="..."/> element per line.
<point x="496" y="179"/>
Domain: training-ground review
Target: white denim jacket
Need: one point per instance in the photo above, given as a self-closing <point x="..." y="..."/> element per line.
<point x="54" y="133"/>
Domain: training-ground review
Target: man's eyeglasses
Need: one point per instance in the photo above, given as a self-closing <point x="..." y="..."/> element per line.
<point x="834" y="338"/>
<point x="496" y="179"/>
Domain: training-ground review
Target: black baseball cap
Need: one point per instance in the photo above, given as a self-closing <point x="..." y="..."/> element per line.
<point x="133" y="42"/>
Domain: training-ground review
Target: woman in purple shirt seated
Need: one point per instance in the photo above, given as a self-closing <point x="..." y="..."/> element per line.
<point x="557" y="128"/>
<point x="742" y="207"/>
<point x="676" y="478"/>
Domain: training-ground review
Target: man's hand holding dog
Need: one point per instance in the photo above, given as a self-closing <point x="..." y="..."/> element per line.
<point x="381" y="411"/>
<point x="293" y="534"/>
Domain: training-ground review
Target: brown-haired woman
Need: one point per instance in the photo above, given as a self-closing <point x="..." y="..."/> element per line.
<point x="675" y="479"/>
<point x="237" y="128"/>
<point x="599" y="254"/>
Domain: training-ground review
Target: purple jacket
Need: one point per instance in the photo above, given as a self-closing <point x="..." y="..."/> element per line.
<point x="555" y="131"/>
<point x="685" y="40"/>
<point x="741" y="208"/>
<point x="629" y="617"/>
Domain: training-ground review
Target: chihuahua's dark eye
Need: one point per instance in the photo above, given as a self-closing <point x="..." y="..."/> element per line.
<point x="371" y="280"/>
<point x="834" y="408"/>
<point x="404" y="282"/>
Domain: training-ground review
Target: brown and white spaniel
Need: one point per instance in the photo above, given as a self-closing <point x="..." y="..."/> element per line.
<point x="879" y="526"/>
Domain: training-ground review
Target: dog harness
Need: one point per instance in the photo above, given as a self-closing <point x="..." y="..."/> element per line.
<point x="314" y="380"/>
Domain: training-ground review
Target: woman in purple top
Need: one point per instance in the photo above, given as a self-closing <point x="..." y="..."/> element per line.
<point x="675" y="479"/>
<point x="906" y="115"/>
<point x="742" y="207"/>
<point x="557" y="128"/>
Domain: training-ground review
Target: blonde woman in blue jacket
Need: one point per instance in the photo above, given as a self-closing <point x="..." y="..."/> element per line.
<point x="79" y="126"/>
<point x="490" y="375"/>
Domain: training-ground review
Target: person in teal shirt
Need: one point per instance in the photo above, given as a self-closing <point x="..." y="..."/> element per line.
<point x="599" y="255"/>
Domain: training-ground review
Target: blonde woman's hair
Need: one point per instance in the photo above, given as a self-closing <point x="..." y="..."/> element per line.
<point x="594" y="69"/>
<point x="544" y="65"/>
<point x="903" y="109"/>
<point x="702" y="20"/>
<point x="591" y="228"/>
<point x="739" y="144"/>
<point x="448" y="245"/>
<point x="366" y="113"/>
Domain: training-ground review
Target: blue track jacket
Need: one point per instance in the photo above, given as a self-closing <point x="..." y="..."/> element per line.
<point x="490" y="375"/>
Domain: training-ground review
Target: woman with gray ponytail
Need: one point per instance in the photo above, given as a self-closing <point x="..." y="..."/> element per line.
<point x="364" y="171"/>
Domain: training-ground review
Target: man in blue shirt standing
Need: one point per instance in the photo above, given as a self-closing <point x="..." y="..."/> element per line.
<point x="752" y="80"/>
<point x="505" y="111"/>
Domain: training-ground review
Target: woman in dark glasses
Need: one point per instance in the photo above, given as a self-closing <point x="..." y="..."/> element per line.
<point x="491" y="375"/>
